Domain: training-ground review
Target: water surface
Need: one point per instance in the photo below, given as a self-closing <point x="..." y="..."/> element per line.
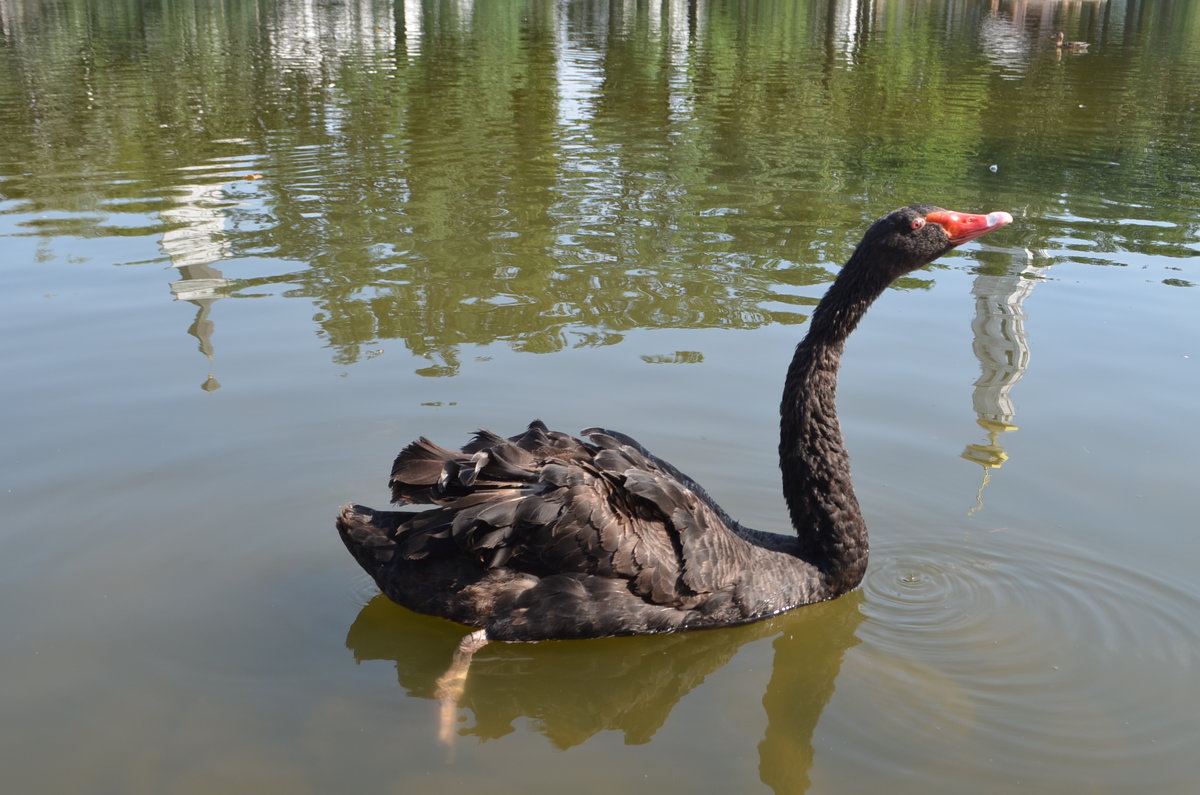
<point x="251" y="249"/>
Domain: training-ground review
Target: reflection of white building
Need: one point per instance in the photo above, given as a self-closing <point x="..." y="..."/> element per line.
<point x="413" y="27"/>
<point x="1000" y="342"/>
<point x="1002" y="349"/>
<point x="671" y="17"/>
<point x="846" y="25"/>
<point x="1006" y="43"/>
<point x="306" y="32"/>
<point x="196" y="226"/>
<point x="194" y="241"/>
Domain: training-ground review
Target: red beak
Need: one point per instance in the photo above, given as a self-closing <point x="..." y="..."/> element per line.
<point x="964" y="227"/>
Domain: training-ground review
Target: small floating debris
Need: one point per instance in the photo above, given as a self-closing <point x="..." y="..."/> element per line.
<point x="678" y="357"/>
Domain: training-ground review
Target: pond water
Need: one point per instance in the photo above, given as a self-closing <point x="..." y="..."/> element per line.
<point x="251" y="249"/>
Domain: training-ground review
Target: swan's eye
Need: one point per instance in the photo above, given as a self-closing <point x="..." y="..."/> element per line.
<point x="918" y="223"/>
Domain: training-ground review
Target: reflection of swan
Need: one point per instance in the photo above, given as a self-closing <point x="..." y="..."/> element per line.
<point x="572" y="691"/>
<point x="808" y="659"/>
<point x="546" y="536"/>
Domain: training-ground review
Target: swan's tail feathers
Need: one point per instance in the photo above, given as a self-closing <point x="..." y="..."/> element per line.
<point x="370" y="535"/>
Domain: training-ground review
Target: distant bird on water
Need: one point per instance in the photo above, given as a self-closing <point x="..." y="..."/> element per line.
<point x="1070" y="46"/>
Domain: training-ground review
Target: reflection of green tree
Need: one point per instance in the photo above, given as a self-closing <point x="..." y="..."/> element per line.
<point x="491" y="231"/>
<point x="426" y="175"/>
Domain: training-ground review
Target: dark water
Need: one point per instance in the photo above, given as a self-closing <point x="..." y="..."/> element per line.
<point x="251" y="249"/>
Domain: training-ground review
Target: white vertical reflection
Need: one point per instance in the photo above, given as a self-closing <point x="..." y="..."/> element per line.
<point x="466" y="13"/>
<point x="680" y="49"/>
<point x="679" y="32"/>
<point x="580" y="61"/>
<point x="1002" y="348"/>
<point x="578" y="72"/>
<point x="308" y="32"/>
<point x="413" y="28"/>
<point x="195" y="225"/>
<point x="845" y="26"/>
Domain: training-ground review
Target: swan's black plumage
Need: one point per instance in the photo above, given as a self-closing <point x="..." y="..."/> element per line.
<point x="544" y="535"/>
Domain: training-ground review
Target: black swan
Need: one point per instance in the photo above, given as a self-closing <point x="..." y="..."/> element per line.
<point x="544" y="535"/>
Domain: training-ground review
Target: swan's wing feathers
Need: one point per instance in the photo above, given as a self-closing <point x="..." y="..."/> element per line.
<point x="664" y="493"/>
<point x="656" y="570"/>
<point x="545" y="503"/>
<point x="605" y="437"/>
<point x="711" y="553"/>
<point x="537" y="512"/>
<point x="425" y="472"/>
<point x="487" y="529"/>
<point x="482" y="440"/>
<point x="610" y="439"/>
<point x="416" y="469"/>
<point x="425" y="535"/>
<point x="680" y="534"/>
<point x="507" y="462"/>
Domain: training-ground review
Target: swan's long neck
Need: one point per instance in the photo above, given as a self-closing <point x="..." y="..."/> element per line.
<point x="812" y="455"/>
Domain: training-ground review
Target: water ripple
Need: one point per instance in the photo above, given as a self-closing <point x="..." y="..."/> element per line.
<point x="1031" y="651"/>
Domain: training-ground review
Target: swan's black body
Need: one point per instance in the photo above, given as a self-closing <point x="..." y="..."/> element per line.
<point x="548" y="536"/>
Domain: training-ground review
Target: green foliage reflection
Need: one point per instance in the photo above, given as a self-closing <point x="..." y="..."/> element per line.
<point x="555" y="174"/>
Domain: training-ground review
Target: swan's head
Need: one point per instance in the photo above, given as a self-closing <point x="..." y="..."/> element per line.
<point x="914" y="236"/>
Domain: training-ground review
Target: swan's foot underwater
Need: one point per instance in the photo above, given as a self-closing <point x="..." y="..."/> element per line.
<point x="450" y="685"/>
